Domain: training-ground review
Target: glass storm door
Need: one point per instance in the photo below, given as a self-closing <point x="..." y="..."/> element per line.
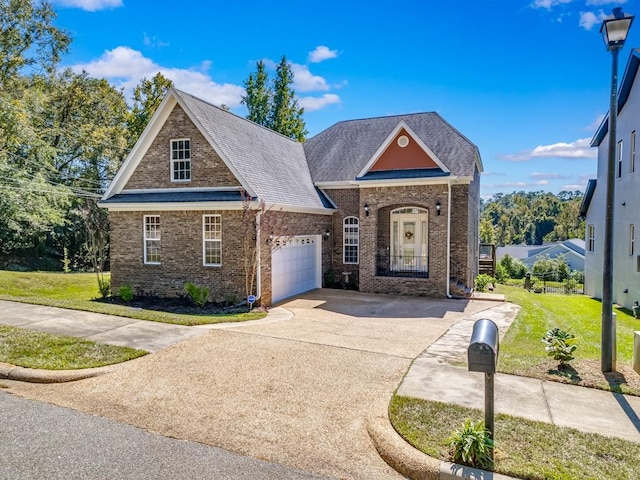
<point x="409" y="240"/>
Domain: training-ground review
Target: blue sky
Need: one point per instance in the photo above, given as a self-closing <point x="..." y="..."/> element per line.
<point x="525" y="80"/>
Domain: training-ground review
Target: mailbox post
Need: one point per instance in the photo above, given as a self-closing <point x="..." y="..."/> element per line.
<point x="482" y="356"/>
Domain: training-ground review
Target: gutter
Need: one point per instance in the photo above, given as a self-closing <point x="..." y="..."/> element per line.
<point x="448" y="292"/>
<point x="258" y="275"/>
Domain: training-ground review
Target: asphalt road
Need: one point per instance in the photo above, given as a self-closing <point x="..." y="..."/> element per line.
<point x="43" y="441"/>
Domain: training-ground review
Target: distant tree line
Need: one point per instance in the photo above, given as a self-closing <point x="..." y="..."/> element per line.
<point x="531" y="218"/>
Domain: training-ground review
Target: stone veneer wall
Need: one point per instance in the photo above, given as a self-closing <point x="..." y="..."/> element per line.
<point x="207" y="168"/>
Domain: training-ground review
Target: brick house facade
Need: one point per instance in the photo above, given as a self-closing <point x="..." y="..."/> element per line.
<point x="396" y="211"/>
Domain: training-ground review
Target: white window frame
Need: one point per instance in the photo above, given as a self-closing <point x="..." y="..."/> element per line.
<point x="351" y="240"/>
<point x="632" y="156"/>
<point x="151" y="237"/>
<point x="591" y="237"/>
<point x="632" y="239"/>
<point x="211" y="238"/>
<point x="175" y="162"/>
<point x="619" y="160"/>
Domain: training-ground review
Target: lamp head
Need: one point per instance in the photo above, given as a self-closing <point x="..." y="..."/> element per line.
<point x="615" y="28"/>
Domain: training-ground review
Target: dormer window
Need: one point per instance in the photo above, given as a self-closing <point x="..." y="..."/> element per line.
<point x="181" y="160"/>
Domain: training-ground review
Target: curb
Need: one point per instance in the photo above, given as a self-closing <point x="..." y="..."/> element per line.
<point x="414" y="464"/>
<point x="36" y="375"/>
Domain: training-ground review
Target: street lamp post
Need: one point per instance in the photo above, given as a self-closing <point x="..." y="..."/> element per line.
<point x="614" y="30"/>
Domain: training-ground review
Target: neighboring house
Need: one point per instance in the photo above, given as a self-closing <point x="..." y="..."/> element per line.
<point x="572" y="250"/>
<point x="393" y="201"/>
<point x="626" y="211"/>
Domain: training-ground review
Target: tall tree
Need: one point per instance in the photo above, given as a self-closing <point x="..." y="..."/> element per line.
<point x="273" y="104"/>
<point x="28" y="39"/>
<point x="286" y="115"/>
<point x="147" y="96"/>
<point x="258" y="95"/>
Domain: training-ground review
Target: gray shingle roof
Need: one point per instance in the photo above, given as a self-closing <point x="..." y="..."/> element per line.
<point x="272" y="165"/>
<point x="343" y="150"/>
<point x="169" y="197"/>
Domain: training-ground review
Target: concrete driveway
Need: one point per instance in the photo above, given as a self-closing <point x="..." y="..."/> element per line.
<point x="297" y="392"/>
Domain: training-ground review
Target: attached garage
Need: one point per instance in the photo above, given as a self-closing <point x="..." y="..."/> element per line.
<point x="296" y="266"/>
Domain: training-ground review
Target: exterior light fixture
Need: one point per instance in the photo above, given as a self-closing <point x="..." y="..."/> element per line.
<point x="366" y="209"/>
<point x="327" y="234"/>
<point x="271" y="237"/>
<point x="438" y="207"/>
<point x="614" y="31"/>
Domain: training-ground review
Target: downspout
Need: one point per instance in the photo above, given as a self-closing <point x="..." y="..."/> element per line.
<point x="449" y="239"/>
<point x="258" y="249"/>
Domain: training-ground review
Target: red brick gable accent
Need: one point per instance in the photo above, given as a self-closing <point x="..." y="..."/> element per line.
<point x="396" y="157"/>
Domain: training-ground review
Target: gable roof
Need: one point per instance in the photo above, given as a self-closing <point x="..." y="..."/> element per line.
<point x="588" y="196"/>
<point x="623" y="94"/>
<point x="343" y="151"/>
<point x="268" y="165"/>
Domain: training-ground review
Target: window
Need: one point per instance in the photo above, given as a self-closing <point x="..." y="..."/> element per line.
<point x="632" y="239"/>
<point x="351" y="240"/>
<point x="212" y="240"/>
<point x="591" y="237"/>
<point x="152" y="239"/>
<point x="619" y="157"/>
<point x="632" y="148"/>
<point x="181" y="160"/>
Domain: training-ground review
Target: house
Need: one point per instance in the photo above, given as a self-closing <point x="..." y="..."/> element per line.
<point x="626" y="214"/>
<point x="391" y="203"/>
<point x="572" y="250"/>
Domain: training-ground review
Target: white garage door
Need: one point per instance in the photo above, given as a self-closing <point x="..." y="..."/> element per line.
<point x="295" y="266"/>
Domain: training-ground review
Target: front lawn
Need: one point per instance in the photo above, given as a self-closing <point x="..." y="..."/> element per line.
<point x="525" y="449"/>
<point x="79" y="291"/>
<point x="522" y="351"/>
<point x="30" y="349"/>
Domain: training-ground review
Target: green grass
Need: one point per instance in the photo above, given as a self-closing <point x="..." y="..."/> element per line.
<point x="525" y="449"/>
<point x="30" y="349"/>
<point x="78" y="291"/>
<point x="578" y="314"/>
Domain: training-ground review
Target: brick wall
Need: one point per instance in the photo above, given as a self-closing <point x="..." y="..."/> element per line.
<point x="348" y="202"/>
<point x="207" y="168"/>
<point x="181" y="254"/>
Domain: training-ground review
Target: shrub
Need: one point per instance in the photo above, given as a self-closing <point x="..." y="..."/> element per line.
<point x="482" y="281"/>
<point x="501" y="274"/>
<point x="560" y="345"/>
<point x="198" y="294"/>
<point x="125" y="292"/>
<point x="570" y="286"/>
<point x="104" y="286"/>
<point x="472" y="446"/>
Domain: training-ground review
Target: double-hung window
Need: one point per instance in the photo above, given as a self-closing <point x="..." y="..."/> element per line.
<point x="351" y="240"/>
<point x="181" y="160"/>
<point x="632" y="148"/>
<point x="152" y="239"/>
<point x="591" y="237"/>
<point x="619" y="158"/>
<point x="212" y="240"/>
<point x="632" y="239"/>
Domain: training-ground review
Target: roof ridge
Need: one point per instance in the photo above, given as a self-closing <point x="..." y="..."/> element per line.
<point x="387" y="116"/>
<point x="251" y="122"/>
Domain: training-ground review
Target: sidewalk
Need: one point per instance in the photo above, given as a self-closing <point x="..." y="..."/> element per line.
<point x="585" y="409"/>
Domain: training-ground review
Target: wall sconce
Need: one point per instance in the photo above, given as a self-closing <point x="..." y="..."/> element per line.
<point x="270" y="239"/>
<point x="366" y="209"/>
<point x="327" y="234"/>
<point x="438" y="207"/>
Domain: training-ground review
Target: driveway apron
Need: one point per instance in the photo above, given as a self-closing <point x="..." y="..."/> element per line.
<point x="297" y="392"/>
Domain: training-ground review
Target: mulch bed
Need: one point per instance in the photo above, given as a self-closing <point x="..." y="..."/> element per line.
<point x="180" y="305"/>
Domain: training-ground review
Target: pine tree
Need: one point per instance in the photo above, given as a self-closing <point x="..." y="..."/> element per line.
<point x="273" y="104"/>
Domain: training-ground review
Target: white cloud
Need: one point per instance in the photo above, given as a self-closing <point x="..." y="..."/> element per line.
<point x="548" y="4"/>
<point x="573" y="187"/>
<point x="311" y="104"/>
<point x="125" y="67"/>
<point x="574" y="150"/>
<point x="322" y="53"/>
<point x="493" y="174"/>
<point x="90" y="5"/>
<point x="589" y="19"/>
<point x="305" y="81"/>
<point x="593" y="126"/>
<point x="605" y="2"/>
<point x="153" y="41"/>
<point x="548" y="176"/>
<point x="502" y="186"/>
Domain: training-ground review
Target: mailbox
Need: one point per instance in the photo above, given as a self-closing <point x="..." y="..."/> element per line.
<point x="482" y="353"/>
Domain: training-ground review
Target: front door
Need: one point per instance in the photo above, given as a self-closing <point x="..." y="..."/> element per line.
<point x="409" y="240"/>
